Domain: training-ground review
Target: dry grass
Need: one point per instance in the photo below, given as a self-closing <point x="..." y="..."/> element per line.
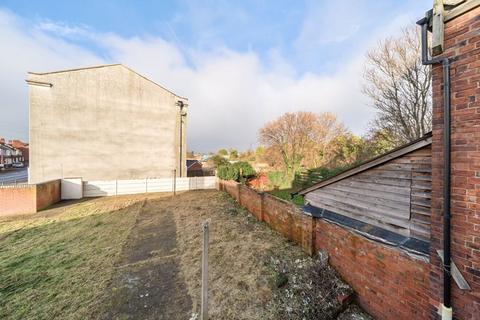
<point x="239" y="245"/>
<point x="55" y="264"/>
<point x="58" y="264"/>
<point x="244" y="259"/>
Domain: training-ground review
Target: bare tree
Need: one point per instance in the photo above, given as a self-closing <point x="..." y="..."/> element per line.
<point x="301" y="138"/>
<point x="399" y="86"/>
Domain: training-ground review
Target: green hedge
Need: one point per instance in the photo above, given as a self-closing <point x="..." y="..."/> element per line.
<point x="239" y="171"/>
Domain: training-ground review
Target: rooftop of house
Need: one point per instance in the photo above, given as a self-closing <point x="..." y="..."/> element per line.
<point x="191" y="162"/>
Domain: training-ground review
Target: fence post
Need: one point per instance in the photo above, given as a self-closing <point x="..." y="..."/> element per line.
<point x="204" y="305"/>
<point x="174" y="181"/>
<point x="116" y="187"/>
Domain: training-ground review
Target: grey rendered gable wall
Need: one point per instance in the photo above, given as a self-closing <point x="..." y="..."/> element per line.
<point x="100" y="124"/>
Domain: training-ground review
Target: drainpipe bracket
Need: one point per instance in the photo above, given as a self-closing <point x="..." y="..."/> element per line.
<point x="456" y="274"/>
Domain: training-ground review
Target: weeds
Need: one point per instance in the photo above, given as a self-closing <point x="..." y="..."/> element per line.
<point x="305" y="289"/>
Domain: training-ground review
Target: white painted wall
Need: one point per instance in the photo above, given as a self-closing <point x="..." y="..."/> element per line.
<point x="71" y="188"/>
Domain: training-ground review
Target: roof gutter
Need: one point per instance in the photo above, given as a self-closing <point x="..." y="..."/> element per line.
<point x="447" y="306"/>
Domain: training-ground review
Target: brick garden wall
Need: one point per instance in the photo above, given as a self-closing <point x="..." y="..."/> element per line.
<point x="25" y="198"/>
<point x="251" y="200"/>
<point x="48" y="193"/>
<point x="17" y="200"/>
<point x="462" y="46"/>
<point x="280" y="215"/>
<point x="390" y="284"/>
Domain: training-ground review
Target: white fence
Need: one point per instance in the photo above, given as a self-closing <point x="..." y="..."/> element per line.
<point x="118" y="187"/>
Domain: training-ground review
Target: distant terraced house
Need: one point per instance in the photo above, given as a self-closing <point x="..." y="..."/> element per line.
<point x="104" y="123"/>
<point x="9" y="155"/>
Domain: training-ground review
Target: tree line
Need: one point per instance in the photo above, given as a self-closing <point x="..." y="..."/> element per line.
<point x="399" y="88"/>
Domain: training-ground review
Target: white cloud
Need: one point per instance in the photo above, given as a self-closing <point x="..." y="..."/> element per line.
<point x="330" y="22"/>
<point x="232" y="94"/>
<point x="63" y="29"/>
<point x="21" y="51"/>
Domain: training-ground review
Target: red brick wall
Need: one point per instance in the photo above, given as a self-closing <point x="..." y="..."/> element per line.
<point x="252" y="201"/>
<point x="231" y="187"/>
<point x="389" y="284"/>
<point x="283" y="217"/>
<point x="462" y="45"/>
<point x="25" y="199"/>
<point x="17" y="200"/>
<point x="48" y="193"/>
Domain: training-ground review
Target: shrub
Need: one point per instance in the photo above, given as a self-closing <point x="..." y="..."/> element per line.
<point x="218" y="160"/>
<point x="279" y="180"/>
<point x="227" y="172"/>
<point x="239" y="171"/>
<point x="244" y="168"/>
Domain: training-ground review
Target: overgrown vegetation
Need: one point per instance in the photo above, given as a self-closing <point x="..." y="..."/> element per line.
<point x="255" y="273"/>
<point x="281" y="186"/>
<point x="309" y="177"/>
<point x="239" y="171"/>
<point x="305" y="147"/>
<point x="279" y="180"/>
<point x="218" y="160"/>
<point x="286" y="194"/>
<point x="306" y="289"/>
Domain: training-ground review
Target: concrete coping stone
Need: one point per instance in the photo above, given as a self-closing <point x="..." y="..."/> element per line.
<point x="409" y="244"/>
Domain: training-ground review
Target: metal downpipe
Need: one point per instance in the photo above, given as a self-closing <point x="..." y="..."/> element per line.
<point x="447" y="306"/>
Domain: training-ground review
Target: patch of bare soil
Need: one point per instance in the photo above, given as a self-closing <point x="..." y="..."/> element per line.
<point x="148" y="283"/>
<point x="254" y="272"/>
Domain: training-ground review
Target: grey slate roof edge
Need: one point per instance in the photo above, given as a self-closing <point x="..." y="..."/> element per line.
<point x="409" y="244"/>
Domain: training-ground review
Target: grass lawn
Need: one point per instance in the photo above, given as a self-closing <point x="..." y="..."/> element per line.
<point x="74" y="260"/>
<point x="57" y="263"/>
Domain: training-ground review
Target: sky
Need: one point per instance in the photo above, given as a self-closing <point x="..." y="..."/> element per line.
<point x="240" y="63"/>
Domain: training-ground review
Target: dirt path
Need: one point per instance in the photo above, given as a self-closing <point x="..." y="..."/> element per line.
<point x="158" y="274"/>
<point x="148" y="283"/>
